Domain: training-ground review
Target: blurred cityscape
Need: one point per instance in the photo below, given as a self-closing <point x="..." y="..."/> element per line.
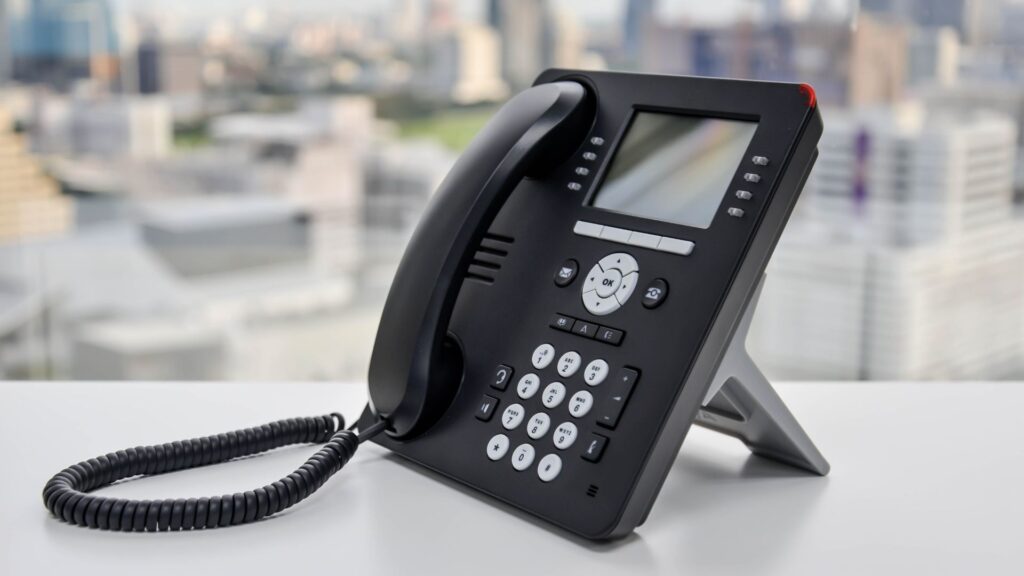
<point x="222" y="190"/>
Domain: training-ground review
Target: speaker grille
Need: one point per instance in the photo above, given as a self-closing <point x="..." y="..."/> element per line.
<point x="487" y="260"/>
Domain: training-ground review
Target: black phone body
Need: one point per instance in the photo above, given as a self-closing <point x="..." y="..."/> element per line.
<point x="673" y="285"/>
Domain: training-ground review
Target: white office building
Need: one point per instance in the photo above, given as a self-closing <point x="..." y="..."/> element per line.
<point x="109" y="127"/>
<point x="904" y="259"/>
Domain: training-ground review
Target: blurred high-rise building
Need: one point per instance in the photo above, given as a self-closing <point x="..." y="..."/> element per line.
<point x="525" y="30"/>
<point x="903" y="259"/>
<point x="5" y="43"/>
<point x="463" y="66"/>
<point x="638" y="25"/>
<point x="60" y="41"/>
<point x="30" y="202"/>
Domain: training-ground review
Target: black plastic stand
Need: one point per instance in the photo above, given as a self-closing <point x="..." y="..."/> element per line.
<point x="742" y="403"/>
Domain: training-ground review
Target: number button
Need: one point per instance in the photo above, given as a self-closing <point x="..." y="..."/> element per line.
<point x="543" y="356"/>
<point x="580" y="404"/>
<point x="522" y="457"/>
<point x="528" y="386"/>
<point x="497" y="447"/>
<point x="568" y="364"/>
<point x="596" y="372"/>
<point x="565" y="435"/>
<point x="549" y="467"/>
<point x="538" y="426"/>
<point x="512" y="417"/>
<point x="553" y="395"/>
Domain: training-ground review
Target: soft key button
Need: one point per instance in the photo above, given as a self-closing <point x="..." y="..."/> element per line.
<point x="615" y="234"/>
<point x="676" y="246"/>
<point x="588" y="229"/>
<point x="643" y="239"/>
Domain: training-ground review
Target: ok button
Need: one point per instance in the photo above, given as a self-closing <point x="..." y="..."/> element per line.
<point x="608" y="282"/>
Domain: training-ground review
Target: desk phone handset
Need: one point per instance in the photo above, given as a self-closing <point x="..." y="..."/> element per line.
<point x="575" y="297"/>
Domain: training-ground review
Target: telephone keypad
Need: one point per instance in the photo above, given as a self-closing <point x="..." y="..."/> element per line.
<point x="538" y="426"/>
<point x="581" y="403"/>
<point x="528" y="386"/>
<point x="553" y="395"/>
<point x="513" y="416"/>
<point x="522" y="457"/>
<point x="614" y="393"/>
<point x="549" y="468"/>
<point x="565" y="435"/>
<point x="569" y="364"/>
<point x="543" y="355"/>
<point x="497" y="447"/>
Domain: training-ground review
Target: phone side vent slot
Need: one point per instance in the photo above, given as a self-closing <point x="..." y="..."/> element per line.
<point x="488" y="259"/>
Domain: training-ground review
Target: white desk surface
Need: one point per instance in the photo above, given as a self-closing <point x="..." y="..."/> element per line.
<point x="926" y="478"/>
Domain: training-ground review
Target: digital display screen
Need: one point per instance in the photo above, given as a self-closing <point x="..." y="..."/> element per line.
<point x="674" y="168"/>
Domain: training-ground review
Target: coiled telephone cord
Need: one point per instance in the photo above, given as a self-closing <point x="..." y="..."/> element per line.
<point x="66" y="494"/>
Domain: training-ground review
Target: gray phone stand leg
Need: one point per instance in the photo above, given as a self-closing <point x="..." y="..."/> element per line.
<point x="742" y="403"/>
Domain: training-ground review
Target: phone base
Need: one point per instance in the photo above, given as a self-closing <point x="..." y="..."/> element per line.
<point x="742" y="403"/>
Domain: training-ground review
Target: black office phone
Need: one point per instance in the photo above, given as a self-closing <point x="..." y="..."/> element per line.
<point x="574" y="298"/>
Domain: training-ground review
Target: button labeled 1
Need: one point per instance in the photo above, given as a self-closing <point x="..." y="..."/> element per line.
<point x="543" y="355"/>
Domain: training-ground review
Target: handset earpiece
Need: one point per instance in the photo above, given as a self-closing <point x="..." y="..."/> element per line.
<point x="415" y="369"/>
